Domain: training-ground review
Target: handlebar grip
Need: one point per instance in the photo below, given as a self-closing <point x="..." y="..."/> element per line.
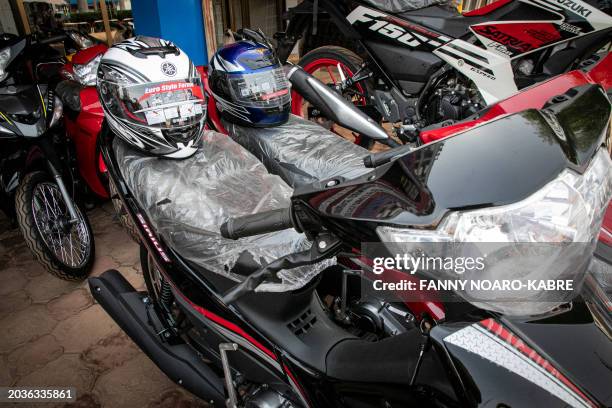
<point x="378" y="159"/>
<point x="259" y="223"/>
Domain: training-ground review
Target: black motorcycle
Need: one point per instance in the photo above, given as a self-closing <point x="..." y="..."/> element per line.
<point x="244" y="311"/>
<point x="417" y="64"/>
<point x="38" y="181"/>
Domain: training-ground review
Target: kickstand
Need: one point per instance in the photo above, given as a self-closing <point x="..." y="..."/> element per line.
<point x="232" y="400"/>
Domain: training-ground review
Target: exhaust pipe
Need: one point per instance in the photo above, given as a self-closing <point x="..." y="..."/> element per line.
<point x="133" y="312"/>
<point x="333" y="106"/>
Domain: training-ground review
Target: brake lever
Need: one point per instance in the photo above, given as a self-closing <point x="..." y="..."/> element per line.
<point x="325" y="246"/>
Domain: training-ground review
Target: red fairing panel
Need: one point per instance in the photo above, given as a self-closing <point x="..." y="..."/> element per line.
<point x="84" y="132"/>
<point x="522" y="37"/>
<point x="86" y="55"/>
<point x="212" y="113"/>
<point x="483" y="11"/>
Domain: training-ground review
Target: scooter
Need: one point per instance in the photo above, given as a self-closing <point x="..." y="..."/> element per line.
<point x="37" y="185"/>
<point x="236" y="330"/>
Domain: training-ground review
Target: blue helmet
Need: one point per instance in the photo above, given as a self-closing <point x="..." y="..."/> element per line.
<point x="249" y="85"/>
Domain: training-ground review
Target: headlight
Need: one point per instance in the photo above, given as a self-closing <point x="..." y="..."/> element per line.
<point x="86" y="73"/>
<point x="81" y="40"/>
<point x="5" y="57"/>
<point x="549" y="235"/>
<point x="568" y="209"/>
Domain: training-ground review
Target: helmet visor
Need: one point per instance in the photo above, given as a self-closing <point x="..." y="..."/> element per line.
<point x="269" y="89"/>
<point x="163" y="105"/>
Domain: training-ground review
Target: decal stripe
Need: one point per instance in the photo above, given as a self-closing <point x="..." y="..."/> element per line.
<point x="467" y="61"/>
<point x="500" y="331"/>
<point x="236" y="334"/>
<point x="493" y="342"/>
<point x="470" y="53"/>
<point x="5" y="118"/>
<point x="231" y="326"/>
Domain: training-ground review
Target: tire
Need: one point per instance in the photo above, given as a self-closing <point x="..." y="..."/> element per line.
<point x="124" y="218"/>
<point x="348" y="59"/>
<point x="24" y="206"/>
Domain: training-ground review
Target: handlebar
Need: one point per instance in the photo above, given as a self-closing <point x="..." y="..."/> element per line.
<point x="259" y="223"/>
<point x="53" y="39"/>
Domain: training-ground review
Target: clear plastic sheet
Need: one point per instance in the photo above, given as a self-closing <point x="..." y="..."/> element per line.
<point x="188" y="200"/>
<point x="301" y="151"/>
<point x="400" y="6"/>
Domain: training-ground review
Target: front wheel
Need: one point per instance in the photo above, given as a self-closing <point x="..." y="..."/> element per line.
<point x="65" y="249"/>
<point x="325" y="63"/>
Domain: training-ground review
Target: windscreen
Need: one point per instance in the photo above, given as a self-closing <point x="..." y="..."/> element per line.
<point x="268" y="89"/>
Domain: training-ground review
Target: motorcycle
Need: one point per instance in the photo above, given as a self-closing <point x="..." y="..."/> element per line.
<point x="83" y="115"/>
<point x="37" y="183"/>
<point x="418" y="64"/>
<point x="247" y="324"/>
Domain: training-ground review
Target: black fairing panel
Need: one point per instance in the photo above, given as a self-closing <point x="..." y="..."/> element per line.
<point x="22" y="100"/>
<point x="404" y="63"/>
<point x="481" y="378"/>
<point x="296" y="321"/>
<point x="590" y="359"/>
<point x="582" y="129"/>
<point x="499" y="163"/>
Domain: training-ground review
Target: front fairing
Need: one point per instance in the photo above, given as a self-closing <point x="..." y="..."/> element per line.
<point x="501" y="162"/>
<point x="23" y="110"/>
<point x="562" y="359"/>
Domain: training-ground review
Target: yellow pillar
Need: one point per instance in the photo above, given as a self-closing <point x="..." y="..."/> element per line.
<point x="209" y="27"/>
<point x="24" y="16"/>
<point x="104" y="11"/>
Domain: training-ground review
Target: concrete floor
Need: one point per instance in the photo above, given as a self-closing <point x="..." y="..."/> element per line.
<point x="53" y="334"/>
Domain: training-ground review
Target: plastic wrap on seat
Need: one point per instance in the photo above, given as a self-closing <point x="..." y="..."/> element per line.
<point x="301" y="151"/>
<point x="400" y="6"/>
<point x="188" y="200"/>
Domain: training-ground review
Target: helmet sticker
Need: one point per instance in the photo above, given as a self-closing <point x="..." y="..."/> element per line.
<point x="168" y="68"/>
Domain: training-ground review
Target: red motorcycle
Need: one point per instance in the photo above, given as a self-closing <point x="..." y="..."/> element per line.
<point x="83" y="116"/>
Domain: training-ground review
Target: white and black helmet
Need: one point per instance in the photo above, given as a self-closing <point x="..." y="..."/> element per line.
<point x="152" y="96"/>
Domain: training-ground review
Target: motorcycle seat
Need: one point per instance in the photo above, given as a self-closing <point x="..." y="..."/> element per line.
<point x="390" y="360"/>
<point x="187" y="200"/>
<point x="301" y="152"/>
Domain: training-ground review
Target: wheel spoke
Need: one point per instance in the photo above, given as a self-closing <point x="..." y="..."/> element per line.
<point x="329" y="71"/>
<point x="70" y="244"/>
